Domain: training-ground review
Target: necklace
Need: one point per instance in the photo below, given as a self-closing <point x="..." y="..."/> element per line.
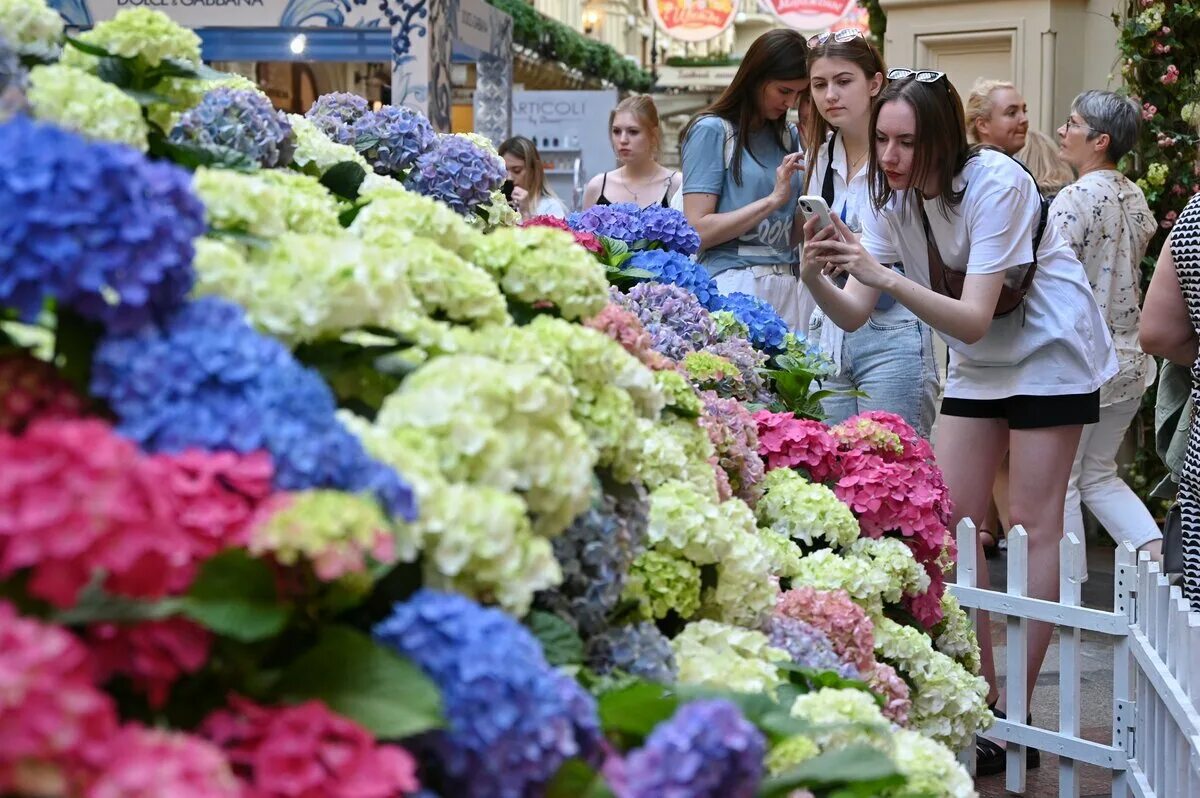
<point x="852" y="166"/>
<point x="642" y="187"/>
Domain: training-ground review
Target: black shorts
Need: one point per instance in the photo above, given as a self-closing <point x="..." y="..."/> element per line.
<point x="1030" y="412"/>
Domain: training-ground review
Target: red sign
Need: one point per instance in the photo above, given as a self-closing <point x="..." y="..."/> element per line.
<point x="809" y="15"/>
<point x="693" y="20"/>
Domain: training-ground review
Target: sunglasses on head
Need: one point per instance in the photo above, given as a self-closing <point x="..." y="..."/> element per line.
<point x="920" y="75"/>
<point x="841" y="37"/>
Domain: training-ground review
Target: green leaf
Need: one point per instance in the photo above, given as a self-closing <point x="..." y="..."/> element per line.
<point x="637" y="708"/>
<point x="95" y="605"/>
<point x="90" y="49"/>
<point x="146" y="98"/>
<point x="576" y="780"/>
<point x="234" y="595"/>
<point x="344" y="179"/>
<point x="562" y="644"/>
<point x="366" y="682"/>
<point x="191" y="156"/>
<point x="859" y="771"/>
<point x="117" y="71"/>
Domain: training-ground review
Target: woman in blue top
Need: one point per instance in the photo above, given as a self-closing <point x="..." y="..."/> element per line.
<point x="742" y="170"/>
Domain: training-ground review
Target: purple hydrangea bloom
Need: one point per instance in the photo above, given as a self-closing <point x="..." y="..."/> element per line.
<point x="671" y="229"/>
<point x="512" y="719"/>
<point x="207" y="379"/>
<point x="640" y="650"/>
<point x="621" y="221"/>
<point x="392" y="138"/>
<point x="734" y="434"/>
<point x="767" y="327"/>
<point x="93" y="225"/>
<point x="808" y="646"/>
<point x="706" y="750"/>
<point x="336" y="113"/>
<point x="672" y="315"/>
<point x="457" y="172"/>
<point x="241" y="120"/>
<point x="595" y="554"/>
<point x="671" y="267"/>
<point x="748" y="360"/>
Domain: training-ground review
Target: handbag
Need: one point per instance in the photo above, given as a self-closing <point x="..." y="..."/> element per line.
<point x="949" y="282"/>
<point x="1172" y="529"/>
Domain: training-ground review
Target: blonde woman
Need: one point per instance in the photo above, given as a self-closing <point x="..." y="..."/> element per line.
<point x="530" y="194"/>
<point x="1040" y="154"/>
<point x="636" y="137"/>
<point x="996" y="115"/>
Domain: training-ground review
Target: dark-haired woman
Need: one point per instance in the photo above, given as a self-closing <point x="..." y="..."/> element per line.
<point x="890" y="358"/>
<point x="1025" y="382"/>
<point x="741" y="177"/>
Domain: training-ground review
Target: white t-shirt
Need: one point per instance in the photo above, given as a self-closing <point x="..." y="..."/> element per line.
<point x="550" y="205"/>
<point x="1058" y="342"/>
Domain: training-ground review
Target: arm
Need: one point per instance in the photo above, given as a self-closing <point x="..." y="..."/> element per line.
<point x="591" y="193"/>
<point x="1166" y="328"/>
<point x="966" y="319"/>
<point x="717" y="228"/>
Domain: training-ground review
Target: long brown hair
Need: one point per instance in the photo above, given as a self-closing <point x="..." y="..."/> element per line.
<point x="939" y="141"/>
<point x="779" y="54"/>
<point x="863" y="55"/>
<point x="642" y="108"/>
<point x="527" y="151"/>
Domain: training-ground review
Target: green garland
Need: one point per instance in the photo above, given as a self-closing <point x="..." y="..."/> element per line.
<point x="720" y="59"/>
<point x="557" y="42"/>
<point x="876" y="20"/>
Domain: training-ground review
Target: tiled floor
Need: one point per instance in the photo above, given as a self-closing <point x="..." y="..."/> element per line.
<point x="1096" y="688"/>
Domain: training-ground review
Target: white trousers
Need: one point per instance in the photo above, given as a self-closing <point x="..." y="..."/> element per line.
<point x="1095" y="482"/>
<point x="775" y="284"/>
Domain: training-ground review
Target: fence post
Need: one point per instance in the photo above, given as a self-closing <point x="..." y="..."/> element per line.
<point x="1017" y="644"/>
<point x="966" y="575"/>
<point x="1124" y="595"/>
<point x="1072" y="572"/>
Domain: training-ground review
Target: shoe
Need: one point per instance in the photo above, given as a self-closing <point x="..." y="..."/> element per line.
<point x="989" y="756"/>
<point x="990" y="550"/>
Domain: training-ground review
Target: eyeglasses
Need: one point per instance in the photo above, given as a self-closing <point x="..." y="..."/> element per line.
<point x="1070" y="123"/>
<point x="841" y="37"/>
<point x="920" y="75"/>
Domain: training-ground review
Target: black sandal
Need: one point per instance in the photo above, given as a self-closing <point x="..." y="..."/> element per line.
<point x="989" y="756"/>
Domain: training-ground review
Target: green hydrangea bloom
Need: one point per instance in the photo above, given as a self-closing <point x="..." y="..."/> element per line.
<point x="785" y="555"/>
<point x="825" y="570"/>
<point x="150" y="36"/>
<point x="537" y="265"/>
<point x="82" y="102"/>
<point x="677" y="449"/>
<point x="681" y="396"/>
<point x="847" y="717"/>
<point x="689" y="524"/>
<point x="954" y="635"/>
<point x="895" y="562"/>
<point x="725" y="657"/>
<point x="706" y="369"/>
<point x="746" y="591"/>
<point x="931" y="768"/>
<point x="266" y="203"/>
<point x="876" y="436"/>
<point x="316" y="152"/>
<point x="790" y="752"/>
<point x="493" y="214"/>
<point x="31" y="27"/>
<point x="502" y="425"/>
<point x="661" y="583"/>
<point x="730" y="326"/>
<point x="394" y="216"/>
<point x="804" y="511"/>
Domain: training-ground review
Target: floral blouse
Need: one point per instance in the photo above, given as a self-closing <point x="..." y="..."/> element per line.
<point x="1105" y="217"/>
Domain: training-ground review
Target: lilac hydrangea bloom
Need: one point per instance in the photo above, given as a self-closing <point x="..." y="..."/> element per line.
<point x="94" y="225"/>
<point x="512" y="719"/>
<point x="12" y="74"/>
<point x="595" y="554"/>
<point x="206" y="379"/>
<point x="336" y="113"/>
<point x="457" y="172"/>
<point x="392" y="138"/>
<point x="242" y="120"/>
<point x="767" y="327"/>
<point x="672" y="315"/>
<point x="671" y="267"/>
<point x="808" y="646"/>
<point x="639" y="650"/>
<point x="706" y="750"/>
<point x="621" y="221"/>
<point x="669" y="228"/>
<point x="748" y="360"/>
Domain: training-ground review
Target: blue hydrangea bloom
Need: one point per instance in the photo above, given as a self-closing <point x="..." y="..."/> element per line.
<point x="670" y="228"/>
<point x="677" y="269"/>
<point x="677" y="323"/>
<point x="639" y="650"/>
<point x="768" y="330"/>
<point x="512" y="719"/>
<point x="705" y="750"/>
<point x="595" y="554"/>
<point x="392" y="138"/>
<point x="336" y="113"/>
<point x="457" y="172"/>
<point x="242" y="120"/>
<point x="807" y="646"/>
<point x="206" y="379"/>
<point x="93" y="225"/>
<point x="621" y="221"/>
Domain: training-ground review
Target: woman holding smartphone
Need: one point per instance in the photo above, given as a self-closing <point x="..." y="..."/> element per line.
<point x="890" y="358"/>
<point x="968" y="224"/>
<point x="741" y="177"/>
<point x="530" y="194"/>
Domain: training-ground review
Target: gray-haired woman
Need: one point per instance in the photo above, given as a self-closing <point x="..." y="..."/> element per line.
<point x="1108" y="223"/>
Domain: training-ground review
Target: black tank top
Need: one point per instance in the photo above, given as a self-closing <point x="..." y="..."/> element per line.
<point x="666" y="200"/>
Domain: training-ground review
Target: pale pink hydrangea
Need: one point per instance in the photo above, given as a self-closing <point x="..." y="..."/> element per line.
<point x="153" y="654"/>
<point x="833" y="612"/>
<point x="626" y="329"/>
<point x="884" y="681"/>
<point x="153" y="763"/>
<point x="785" y="441"/>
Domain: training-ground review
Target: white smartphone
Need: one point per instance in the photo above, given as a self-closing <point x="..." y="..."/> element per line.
<point x="812" y="206"/>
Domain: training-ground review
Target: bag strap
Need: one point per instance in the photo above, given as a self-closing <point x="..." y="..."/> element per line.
<point x="937" y="269"/>
<point x="827" y="185"/>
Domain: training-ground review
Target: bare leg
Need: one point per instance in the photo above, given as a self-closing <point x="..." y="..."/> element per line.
<point x="968" y="452"/>
<point x="1000" y="491"/>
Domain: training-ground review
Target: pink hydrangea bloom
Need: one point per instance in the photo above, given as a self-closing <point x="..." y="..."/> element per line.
<point x="785" y="441"/>
<point x="152" y="763"/>
<point x="927" y="607"/>
<point x="51" y="714"/>
<point x="153" y="654"/>
<point x="32" y="389"/>
<point x="734" y="435"/>
<point x="833" y="612"/>
<point x="626" y="329"/>
<point x="589" y="241"/>
<point x="545" y="220"/>
<point x="307" y="751"/>
<point x="914" y="447"/>
<point x="884" y="681"/>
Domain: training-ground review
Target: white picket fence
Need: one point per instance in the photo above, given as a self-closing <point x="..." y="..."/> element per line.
<point x="1155" y="749"/>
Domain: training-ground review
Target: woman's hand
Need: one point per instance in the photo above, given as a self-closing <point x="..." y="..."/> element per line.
<point x="835" y="250"/>
<point x="520" y="197"/>
<point x="793" y="164"/>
